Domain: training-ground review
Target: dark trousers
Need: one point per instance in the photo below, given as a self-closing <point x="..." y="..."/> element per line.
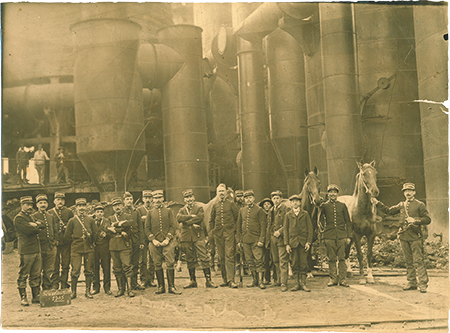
<point x="146" y="265"/>
<point x="102" y="258"/>
<point x="299" y="260"/>
<point x="48" y="268"/>
<point x="122" y="263"/>
<point x="135" y="252"/>
<point x="212" y="247"/>
<point x="415" y="266"/>
<point x="62" y="173"/>
<point x="196" y="252"/>
<point x="336" y="251"/>
<point x="226" y="247"/>
<point x="76" y="260"/>
<point x="29" y="268"/>
<point x="269" y="265"/>
<point x="163" y="253"/>
<point x="254" y="256"/>
<point x="40" y="168"/>
<point x="62" y="265"/>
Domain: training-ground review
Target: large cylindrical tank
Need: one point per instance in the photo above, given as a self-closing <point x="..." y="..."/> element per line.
<point x="184" y="118"/>
<point x="432" y="72"/>
<point x="108" y="101"/>
<point x="287" y="106"/>
<point x="391" y="118"/>
<point x="341" y="94"/>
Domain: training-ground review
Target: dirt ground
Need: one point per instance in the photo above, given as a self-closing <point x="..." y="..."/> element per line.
<point x="382" y="306"/>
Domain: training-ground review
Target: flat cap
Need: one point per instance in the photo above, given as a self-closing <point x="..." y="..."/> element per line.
<point x="60" y="195"/>
<point x="275" y="193"/>
<point x="147" y="193"/>
<point x="239" y="193"/>
<point x="80" y="202"/>
<point x="222" y="185"/>
<point x="26" y="200"/>
<point x="158" y="194"/>
<point x="295" y="197"/>
<point x="248" y="193"/>
<point x="127" y="195"/>
<point x="116" y="201"/>
<point x="409" y="186"/>
<point x="187" y="193"/>
<point x="332" y="187"/>
<point x="99" y="207"/>
<point x="40" y="197"/>
<point x="264" y="201"/>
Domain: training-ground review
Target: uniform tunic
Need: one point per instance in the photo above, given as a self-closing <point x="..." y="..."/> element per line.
<point x="120" y="245"/>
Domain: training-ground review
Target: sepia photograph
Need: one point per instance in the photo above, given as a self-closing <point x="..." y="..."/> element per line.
<point x="234" y="166"/>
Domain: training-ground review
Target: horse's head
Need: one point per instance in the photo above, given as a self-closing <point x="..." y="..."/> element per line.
<point x="311" y="185"/>
<point x="368" y="176"/>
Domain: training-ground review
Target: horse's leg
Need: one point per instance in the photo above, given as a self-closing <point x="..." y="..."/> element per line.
<point x="370" y="242"/>
<point x="359" y="254"/>
<point x="347" y="259"/>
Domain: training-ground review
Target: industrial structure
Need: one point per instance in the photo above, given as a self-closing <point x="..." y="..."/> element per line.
<point x="249" y="94"/>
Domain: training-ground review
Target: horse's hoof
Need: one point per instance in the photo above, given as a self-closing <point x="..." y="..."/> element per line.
<point x="362" y="281"/>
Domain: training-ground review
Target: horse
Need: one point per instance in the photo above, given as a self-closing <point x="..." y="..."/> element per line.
<point x="363" y="215"/>
<point x="310" y="195"/>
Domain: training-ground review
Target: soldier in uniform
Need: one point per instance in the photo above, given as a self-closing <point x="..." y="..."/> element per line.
<point x="337" y="231"/>
<point x="222" y="223"/>
<point x="193" y="239"/>
<point x="47" y="239"/>
<point x="160" y="228"/>
<point x="410" y="235"/>
<point x="137" y="239"/>
<point x="298" y="232"/>
<point x="120" y="247"/>
<point x="27" y="229"/>
<point x="251" y="229"/>
<point x="102" y="256"/>
<point x="266" y="204"/>
<point x="61" y="215"/>
<point x="146" y="266"/>
<point x="82" y="231"/>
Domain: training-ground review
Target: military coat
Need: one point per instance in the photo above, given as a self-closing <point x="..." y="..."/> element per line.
<point x="28" y="240"/>
<point x="336" y="220"/>
<point x="224" y="215"/>
<point x="48" y="235"/>
<point x="251" y="225"/>
<point x="160" y="224"/>
<point x="82" y="231"/>
<point x="188" y="216"/>
<point x="119" y="241"/>
<point x="62" y="217"/>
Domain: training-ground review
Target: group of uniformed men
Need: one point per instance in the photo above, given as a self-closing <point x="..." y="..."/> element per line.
<point x="50" y="240"/>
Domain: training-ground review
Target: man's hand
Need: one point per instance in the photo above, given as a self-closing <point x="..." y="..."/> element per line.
<point x="347" y="241"/>
<point x="374" y="200"/>
<point x="239" y="245"/>
<point x="33" y="224"/>
<point x="196" y="225"/>
<point x="276" y="234"/>
<point x="156" y="243"/>
<point x="112" y="229"/>
<point x="410" y="220"/>
<point x="260" y="244"/>
<point x="307" y="246"/>
<point x="124" y="234"/>
<point x="141" y="246"/>
<point x="102" y="234"/>
<point x="288" y="249"/>
<point x="165" y="242"/>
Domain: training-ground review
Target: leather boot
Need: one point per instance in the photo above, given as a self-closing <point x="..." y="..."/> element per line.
<point x="161" y="284"/>
<point x="74" y="287"/>
<point x="35" y="291"/>
<point x="87" y="293"/>
<point x="120" y="286"/>
<point x="261" y="281"/>
<point x="303" y="283"/>
<point x="151" y="281"/>
<point x="297" y="282"/>
<point x="254" y="280"/>
<point x="130" y="291"/>
<point x="192" y="283"/>
<point x="209" y="283"/>
<point x="171" y="282"/>
<point x="23" y="297"/>
<point x="333" y="274"/>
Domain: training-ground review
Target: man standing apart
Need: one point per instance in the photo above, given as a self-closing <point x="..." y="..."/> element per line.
<point x="47" y="239"/>
<point x="61" y="167"/>
<point x="336" y="234"/>
<point x="61" y="215"/>
<point x="160" y="227"/>
<point x="22" y="164"/>
<point x="298" y="232"/>
<point x="222" y="222"/>
<point x="27" y="229"/>
<point x="102" y="256"/>
<point x="82" y="232"/>
<point x="193" y="239"/>
<point x="40" y="156"/>
<point x="251" y="229"/>
<point x="410" y="235"/>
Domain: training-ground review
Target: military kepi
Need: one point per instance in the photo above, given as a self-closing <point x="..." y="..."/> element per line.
<point x="26" y="200"/>
<point x="158" y="194"/>
<point x="99" y="207"/>
<point x="116" y="201"/>
<point x="332" y="187"/>
<point x="147" y="193"/>
<point x="40" y="197"/>
<point x="188" y="193"/>
<point x="239" y="193"/>
<point x="80" y="202"/>
<point x="248" y="193"/>
<point x="409" y="186"/>
<point x="60" y="195"/>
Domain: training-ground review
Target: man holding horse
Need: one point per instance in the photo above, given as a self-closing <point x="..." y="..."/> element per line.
<point x="410" y="235"/>
<point x="337" y="230"/>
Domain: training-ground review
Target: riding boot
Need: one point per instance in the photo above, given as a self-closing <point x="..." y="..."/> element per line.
<point x="73" y="285"/>
<point x="23" y="297"/>
<point x="88" y="287"/>
<point x="161" y="284"/>
<point x="35" y="292"/>
<point x="192" y="283"/>
<point x="120" y="286"/>
<point x="333" y="274"/>
<point x="254" y="280"/>
<point x="171" y="282"/>
<point x="261" y="281"/>
<point x="130" y="290"/>
<point x="297" y="282"/>
<point x="151" y="281"/>
<point x="303" y="283"/>
<point x="209" y="283"/>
